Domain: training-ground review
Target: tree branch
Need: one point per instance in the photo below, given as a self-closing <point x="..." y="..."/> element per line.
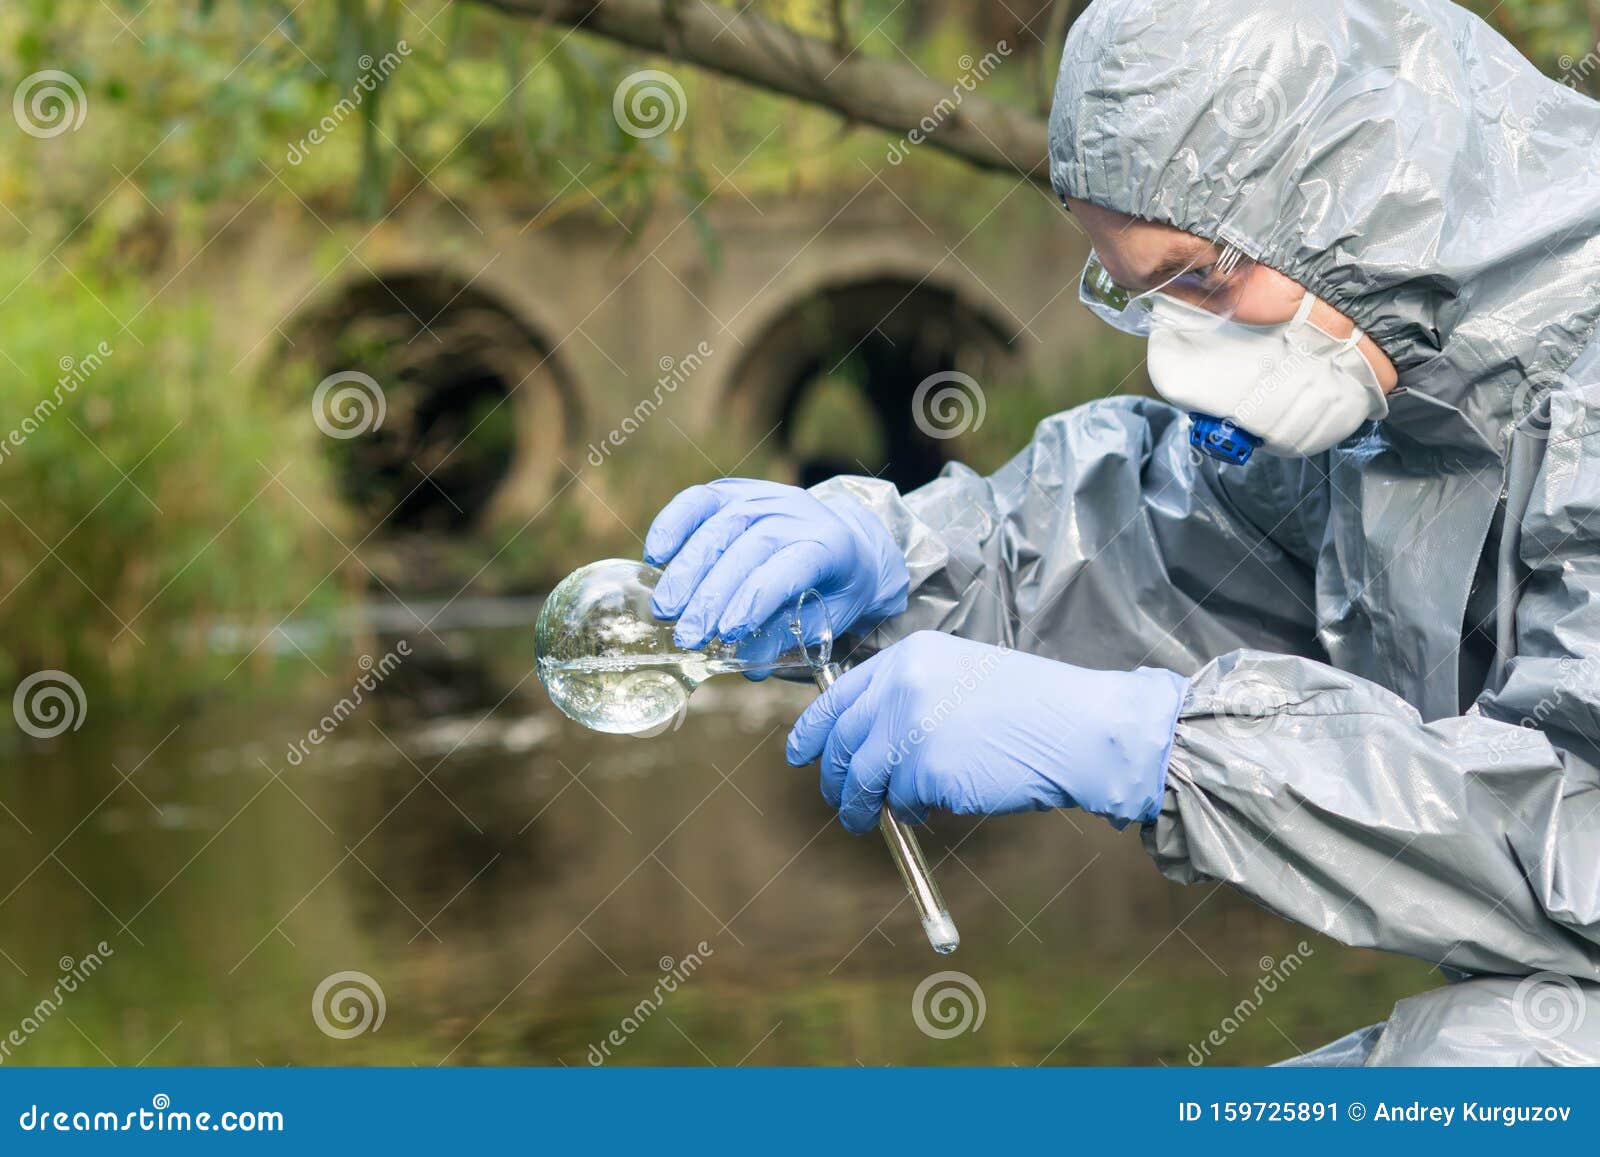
<point x="760" y="52"/>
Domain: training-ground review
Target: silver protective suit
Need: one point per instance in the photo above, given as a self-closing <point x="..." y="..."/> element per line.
<point x="1393" y="731"/>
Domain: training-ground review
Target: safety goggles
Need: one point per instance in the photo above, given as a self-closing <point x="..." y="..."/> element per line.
<point x="1212" y="285"/>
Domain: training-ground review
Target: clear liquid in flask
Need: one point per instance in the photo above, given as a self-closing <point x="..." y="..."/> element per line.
<point x="628" y="694"/>
<point x="611" y="665"/>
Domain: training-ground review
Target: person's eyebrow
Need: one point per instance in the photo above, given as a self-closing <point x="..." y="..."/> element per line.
<point x="1177" y="261"/>
<point x="1184" y="255"/>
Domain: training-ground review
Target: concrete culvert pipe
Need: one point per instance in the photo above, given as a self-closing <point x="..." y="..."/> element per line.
<point x="863" y="376"/>
<point x="475" y="412"/>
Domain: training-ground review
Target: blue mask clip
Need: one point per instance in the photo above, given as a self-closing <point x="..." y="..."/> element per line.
<point x="1221" y="439"/>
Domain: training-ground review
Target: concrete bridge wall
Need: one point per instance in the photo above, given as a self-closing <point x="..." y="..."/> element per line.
<point x="595" y="334"/>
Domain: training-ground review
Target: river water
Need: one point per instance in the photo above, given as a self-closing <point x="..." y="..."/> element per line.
<point x="455" y="874"/>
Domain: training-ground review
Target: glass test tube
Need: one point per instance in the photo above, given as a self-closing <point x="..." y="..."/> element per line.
<point x="907" y="853"/>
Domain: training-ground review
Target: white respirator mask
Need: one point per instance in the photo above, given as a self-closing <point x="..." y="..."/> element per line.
<point x="1290" y="387"/>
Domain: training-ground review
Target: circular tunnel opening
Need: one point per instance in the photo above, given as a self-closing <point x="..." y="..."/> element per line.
<point x="876" y="376"/>
<point x="445" y="446"/>
<point x="453" y="410"/>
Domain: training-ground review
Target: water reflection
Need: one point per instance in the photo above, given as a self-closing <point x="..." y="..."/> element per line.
<point x="519" y="889"/>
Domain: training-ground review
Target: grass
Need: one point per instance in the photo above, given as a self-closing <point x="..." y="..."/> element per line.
<point x="145" y="497"/>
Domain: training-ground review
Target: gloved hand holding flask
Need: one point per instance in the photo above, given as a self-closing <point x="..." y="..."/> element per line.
<point x="737" y="550"/>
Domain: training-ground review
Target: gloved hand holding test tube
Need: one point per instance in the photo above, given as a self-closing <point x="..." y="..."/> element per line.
<point x="902" y="840"/>
<point x="610" y="663"/>
<point x="907" y="854"/>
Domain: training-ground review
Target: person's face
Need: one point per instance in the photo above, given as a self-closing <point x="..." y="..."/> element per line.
<point x="1146" y="255"/>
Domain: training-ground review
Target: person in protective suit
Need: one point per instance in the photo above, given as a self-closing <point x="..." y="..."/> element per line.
<point x="1343" y="583"/>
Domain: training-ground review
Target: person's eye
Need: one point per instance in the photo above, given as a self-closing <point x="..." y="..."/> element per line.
<point x="1197" y="278"/>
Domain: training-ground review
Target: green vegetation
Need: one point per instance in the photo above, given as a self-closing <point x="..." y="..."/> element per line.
<point x="145" y="497"/>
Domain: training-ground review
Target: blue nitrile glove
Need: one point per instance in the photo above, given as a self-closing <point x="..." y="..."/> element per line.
<point x="740" y="550"/>
<point x="937" y="721"/>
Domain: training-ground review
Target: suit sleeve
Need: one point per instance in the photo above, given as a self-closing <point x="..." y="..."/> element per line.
<point x="1110" y="543"/>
